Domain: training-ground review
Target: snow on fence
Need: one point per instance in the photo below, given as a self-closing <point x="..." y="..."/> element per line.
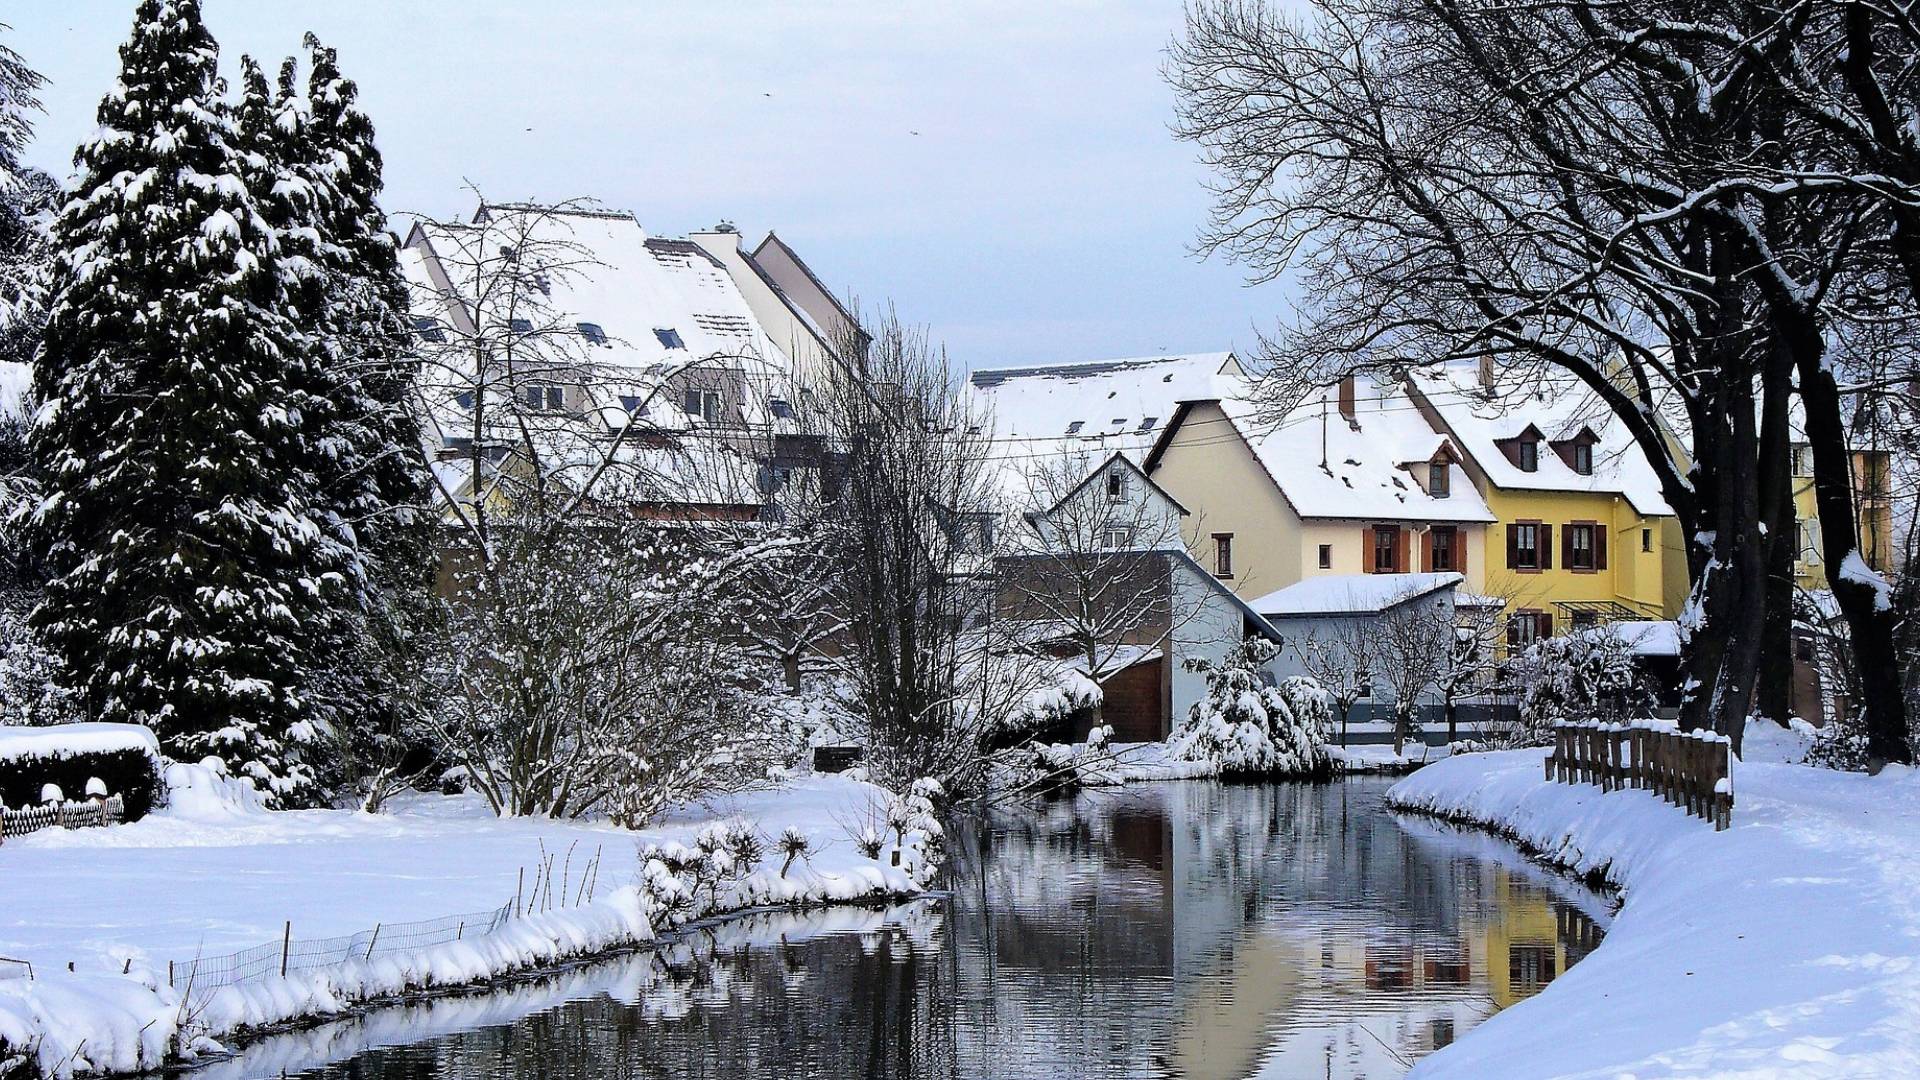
<point x="1687" y="768"/>
<point x="92" y="813"/>
<point x="202" y="975"/>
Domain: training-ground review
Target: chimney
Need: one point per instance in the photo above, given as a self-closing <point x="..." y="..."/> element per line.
<point x="1486" y="371"/>
<point x="1347" y="402"/>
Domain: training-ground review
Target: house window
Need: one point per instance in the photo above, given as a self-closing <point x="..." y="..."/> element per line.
<point x="1444" y="539"/>
<point x="593" y="333"/>
<point x="464" y="399"/>
<point x="669" y="337"/>
<point x="1116" y="486"/>
<point x="1223" y="555"/>
<point x="543" y="397"/>
<point x="1524" y="545"/>
<point x="1326" y="556"/>
<point x="429" y="330"/>
<point x="1529" y="455"/>
<point x="1386" y="549"/>
<point x="1526" y="626"/>
<point x="1583" y="458"/>
<point x="702" y="405"/>
<point x="1117" y="536"/>
<point x="1580" y="551"/>
<point x="1439" y="479"/>
<point x="1646" y="539"/>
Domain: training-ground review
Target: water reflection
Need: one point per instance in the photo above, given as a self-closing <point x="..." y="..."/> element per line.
<point x="1181" y="930"/>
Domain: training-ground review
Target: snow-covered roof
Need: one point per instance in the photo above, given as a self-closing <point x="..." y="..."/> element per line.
<point x="1373" y="468"/>
<point x="1559" y="407"/>
<point x="1658" y="637"/>
<point x="1351" y="594"/>
<point x="1097" y="405"/>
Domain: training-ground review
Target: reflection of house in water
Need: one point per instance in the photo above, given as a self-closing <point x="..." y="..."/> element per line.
<point x="1530" y="938"/>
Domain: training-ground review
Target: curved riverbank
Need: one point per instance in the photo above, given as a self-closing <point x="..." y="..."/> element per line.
<point x="1786" y="946"/>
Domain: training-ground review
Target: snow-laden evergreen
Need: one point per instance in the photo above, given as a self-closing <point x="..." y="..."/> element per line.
<point x="23" y="192"/>
<point x="1245" y="726"/>
<point x="191" y="575"/>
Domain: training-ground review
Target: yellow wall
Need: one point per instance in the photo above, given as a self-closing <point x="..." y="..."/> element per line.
<point x="1632" y="576"/>
<point x="1872" y="491"/>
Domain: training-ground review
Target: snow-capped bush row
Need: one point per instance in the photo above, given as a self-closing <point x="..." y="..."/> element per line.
<point x="1786" y="946"/>
<point x="76" y="759"/>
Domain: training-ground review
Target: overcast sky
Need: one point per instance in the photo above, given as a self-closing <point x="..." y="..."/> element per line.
<point x="1001" y="170"/>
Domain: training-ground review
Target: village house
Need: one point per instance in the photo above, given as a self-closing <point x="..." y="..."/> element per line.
<point x="686" y="359"/>
<point x="1353" y="481"/>
<point x="1583" y="536"/>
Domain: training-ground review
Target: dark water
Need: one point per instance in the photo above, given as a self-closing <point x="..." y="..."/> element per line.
<point x="1180" y="930"/>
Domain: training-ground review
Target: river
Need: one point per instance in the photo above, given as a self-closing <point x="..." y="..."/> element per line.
<point x="1178" y="930"/>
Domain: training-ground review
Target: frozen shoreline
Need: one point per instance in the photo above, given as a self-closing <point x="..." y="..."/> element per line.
<point x="214" y="874"/>
<point x="1787" y="946"/>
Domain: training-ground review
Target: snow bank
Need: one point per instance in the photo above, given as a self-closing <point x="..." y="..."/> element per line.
<point x="216" y="873"/>
<point x="1786" y="946"/>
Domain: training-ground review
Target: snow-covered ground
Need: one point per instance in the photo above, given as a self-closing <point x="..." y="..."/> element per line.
<point x="212" y="874"/>
<point x="1786" y="946"/>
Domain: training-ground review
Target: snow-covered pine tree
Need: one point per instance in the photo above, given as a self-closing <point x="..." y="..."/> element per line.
<point x="22" y="191"/>
<point x="188" y="570"/>
<point x="1246" y="727"/>
<point x="377" y="490"/>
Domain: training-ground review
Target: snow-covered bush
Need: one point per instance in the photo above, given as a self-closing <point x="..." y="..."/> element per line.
<point x="1243" y="726"/>
<point x="1586" y="675"/>
<point x="30" y="694"/>
<point x="121" y="759"/>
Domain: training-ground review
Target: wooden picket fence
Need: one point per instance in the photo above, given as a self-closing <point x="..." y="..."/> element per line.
<point x="1689" y="769"/>
<point x="67" y="815"/>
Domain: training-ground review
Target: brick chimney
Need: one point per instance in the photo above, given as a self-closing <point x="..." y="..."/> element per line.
<point x="1347" y="402"/>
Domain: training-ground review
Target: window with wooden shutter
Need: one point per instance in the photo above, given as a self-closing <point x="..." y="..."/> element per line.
<point x="1386" y="549"/>
<point x="1599" y="548"/>
<point x="1443" y="546"/>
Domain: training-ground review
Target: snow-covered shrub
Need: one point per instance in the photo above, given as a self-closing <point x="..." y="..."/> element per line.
<point x="1245" y="727"/>
<point x="793" y="845"/>
<point x="34" y="759"/>
<point x="1056" y="768"/>
<point x="30" y="694"/>
<point x="1586" y="675"/>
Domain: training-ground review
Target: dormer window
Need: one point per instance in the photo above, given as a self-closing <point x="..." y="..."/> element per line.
<point x="1583" y="458"/>
<point x="543" y="397"/>
<point x="1439" y="479"/>
<point x="593" y="333"/>
<point x="1529" y="455"/>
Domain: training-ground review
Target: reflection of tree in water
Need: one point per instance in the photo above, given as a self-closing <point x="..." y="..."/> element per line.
<point x="1181" y="929"/>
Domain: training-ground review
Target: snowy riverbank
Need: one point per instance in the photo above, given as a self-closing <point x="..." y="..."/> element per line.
<point x="1786" y="946"/>
<point x="212" y="874"/>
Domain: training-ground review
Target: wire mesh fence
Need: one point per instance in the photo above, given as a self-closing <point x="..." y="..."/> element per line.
<point x="202" y="975"/>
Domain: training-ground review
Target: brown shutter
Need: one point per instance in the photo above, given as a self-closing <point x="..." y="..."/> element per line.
<point x="1546" y="546"/>
<point x="1460" y="550"/>
<point x="1513" y="547"/>
<point x="1403" y="549"/>
<point x="1427" y="565"/>
<point x="1545" y="623"/>
<point x="1599" y="547"/>
<point x="1366" y="549"/>
<point x="1566" y="546"/>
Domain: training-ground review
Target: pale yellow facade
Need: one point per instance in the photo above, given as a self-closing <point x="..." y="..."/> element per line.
<point x="1229" y="492"/>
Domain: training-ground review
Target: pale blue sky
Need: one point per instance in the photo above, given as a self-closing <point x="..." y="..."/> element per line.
<point x="1001" y="170"/>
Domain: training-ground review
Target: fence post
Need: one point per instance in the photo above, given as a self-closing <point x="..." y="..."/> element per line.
<point x="286" y="943"/>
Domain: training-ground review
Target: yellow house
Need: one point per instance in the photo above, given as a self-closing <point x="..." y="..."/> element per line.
<point x="1873" y="507"/>
<point x="1353" y="481"/>
<point x="1583" y="535"/>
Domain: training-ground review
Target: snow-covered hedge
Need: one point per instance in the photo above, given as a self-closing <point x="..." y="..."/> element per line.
<point x="1245" y="727"/>
<point x="124" y="758"/>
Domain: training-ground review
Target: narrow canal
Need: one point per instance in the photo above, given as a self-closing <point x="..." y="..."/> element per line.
<point x="1178" y="930"/>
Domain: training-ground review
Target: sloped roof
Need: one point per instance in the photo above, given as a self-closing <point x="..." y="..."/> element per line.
<point x="1559" y="406"/>
<point x="1329" y="468"/>
<point x="1099" y="404"/>
<point x="1351" y="594"/>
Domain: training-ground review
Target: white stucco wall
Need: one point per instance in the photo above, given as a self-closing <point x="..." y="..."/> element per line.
<point x="1212" y="625"/>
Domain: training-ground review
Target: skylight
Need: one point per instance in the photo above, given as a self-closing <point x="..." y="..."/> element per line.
<point x="429" y="330"/>
<point x="1074" y="428"/>
<point x="1147" y="424"/>
<point x="669" y="337"/>
<point x="593" y="333"/>
<point x="520" y="326"/>
<point x="780" y="408"/>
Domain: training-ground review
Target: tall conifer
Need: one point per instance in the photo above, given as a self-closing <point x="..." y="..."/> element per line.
<point x="190" y="571"/>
